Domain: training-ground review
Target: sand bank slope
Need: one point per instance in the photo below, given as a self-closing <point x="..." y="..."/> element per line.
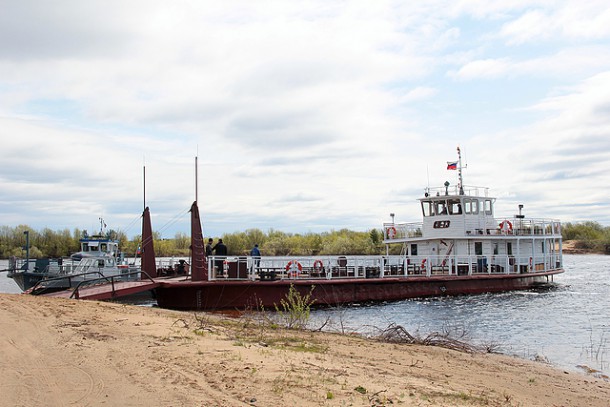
<point x="58" y="352"/>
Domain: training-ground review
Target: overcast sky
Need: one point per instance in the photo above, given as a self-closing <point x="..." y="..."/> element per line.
<point x="305" y="115"/>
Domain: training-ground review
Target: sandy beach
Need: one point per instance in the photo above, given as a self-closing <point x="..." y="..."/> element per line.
<point x="78" y="353"/>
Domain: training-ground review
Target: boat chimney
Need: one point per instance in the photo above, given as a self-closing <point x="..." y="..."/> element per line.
<point x="392" y="216"/>
<point x="446" y="188"/>
<point x="27" y="249"/>
<point x="520" y="216"/>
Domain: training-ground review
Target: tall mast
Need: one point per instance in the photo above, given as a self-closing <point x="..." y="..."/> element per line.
<point x="144" y="190"/>
<point x="461" y="181"/>
<point x="196" y="182"/>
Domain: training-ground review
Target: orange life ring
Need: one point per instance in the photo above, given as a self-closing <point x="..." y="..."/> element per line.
<point x="293" y="268"/>
<point x="391" y="232"/>
<point x="505" y="225"/>
<point x="318" y="265"/>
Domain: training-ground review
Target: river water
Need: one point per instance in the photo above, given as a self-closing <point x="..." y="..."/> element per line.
<point x="568" y="325"/>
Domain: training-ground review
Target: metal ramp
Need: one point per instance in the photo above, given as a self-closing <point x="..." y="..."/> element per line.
<point x="103" y="288"/>
<point x="107" y="291"/>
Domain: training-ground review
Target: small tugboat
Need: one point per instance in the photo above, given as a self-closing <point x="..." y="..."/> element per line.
<point x="99" y="256"/>
<point x="460" y="247"/>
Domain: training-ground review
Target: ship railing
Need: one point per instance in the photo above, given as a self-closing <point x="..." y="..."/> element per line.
<point x="515" y="226"/>
<point x="173" y="266"/>
<point x="398" y="231"/>
<point x="293" y="267"/>
<point x="350" y="267"/>
<point x="508" y="226"/>
<point x="468" y="190"/>
<point x="477" y="265"/>
<point x="60" y="267"/>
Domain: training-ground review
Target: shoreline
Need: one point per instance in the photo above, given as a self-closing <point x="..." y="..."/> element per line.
<point x="68" y="352"/>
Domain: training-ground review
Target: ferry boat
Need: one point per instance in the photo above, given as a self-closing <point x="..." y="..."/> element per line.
<point x="99" y="256"/>
<point x="460" y="247"/>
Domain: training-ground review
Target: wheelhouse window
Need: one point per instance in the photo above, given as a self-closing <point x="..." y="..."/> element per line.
<point x="413" y="249"/>
<point x="471" y="206"/>
<point x="427" y="208"/>
<point x="441" y="207"/>
<point x="454" y="206"/>
<point x="488" y="207"/>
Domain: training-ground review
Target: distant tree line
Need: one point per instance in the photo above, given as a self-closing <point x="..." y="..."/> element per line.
<point x="48" y="243"/>
<point x="590" y="236"/>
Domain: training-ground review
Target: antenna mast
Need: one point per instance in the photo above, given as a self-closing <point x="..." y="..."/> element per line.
<point x="144" y="181"/>
<point x="461" y="181"/>
<point x="196" y="181"/>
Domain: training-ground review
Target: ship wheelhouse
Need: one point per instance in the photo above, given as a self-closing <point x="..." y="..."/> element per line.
<point x="461" y="234"/>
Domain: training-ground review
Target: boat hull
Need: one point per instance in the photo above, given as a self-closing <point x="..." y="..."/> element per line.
<point x="26" y="279"/>
<point x="211" y="295"/>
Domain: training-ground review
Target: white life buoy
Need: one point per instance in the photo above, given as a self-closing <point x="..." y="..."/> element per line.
<point x="506" y="226"/>
<point x="294" y="268"/>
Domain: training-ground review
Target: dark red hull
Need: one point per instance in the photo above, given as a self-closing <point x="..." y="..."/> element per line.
<point x="208" y="295"/>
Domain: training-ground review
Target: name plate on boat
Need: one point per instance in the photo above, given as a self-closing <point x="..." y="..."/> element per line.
<point x="442" y="224"/>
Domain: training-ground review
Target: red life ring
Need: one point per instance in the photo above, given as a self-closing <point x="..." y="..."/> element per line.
<point x="423" y="264"/>
<point x="506" y="226"/>
<point x="391" y="232"/>
<point x="318" y="265"/>
<point x="293" y="268"/>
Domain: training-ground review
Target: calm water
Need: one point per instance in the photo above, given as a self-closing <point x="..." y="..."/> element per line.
<point x="569" y="325"/>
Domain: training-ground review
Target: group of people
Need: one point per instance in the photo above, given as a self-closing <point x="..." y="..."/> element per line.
<point x="220" y="251"/>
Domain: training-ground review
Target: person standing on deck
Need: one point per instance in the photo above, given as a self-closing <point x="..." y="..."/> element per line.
<point x="209" y="248"/>
<point x="256" y="255"/>
<point x="220" y="250"/>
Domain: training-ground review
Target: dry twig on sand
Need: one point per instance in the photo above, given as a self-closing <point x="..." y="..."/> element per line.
<point x="398" y="334"/>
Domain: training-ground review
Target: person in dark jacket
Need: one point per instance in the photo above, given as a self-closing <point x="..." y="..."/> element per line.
<point x="220" y="253"/>
<point x="209" y="248"/>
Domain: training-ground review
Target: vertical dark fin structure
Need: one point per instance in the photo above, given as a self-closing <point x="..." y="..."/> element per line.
<point x="149" y="265"/>
<point x="199" y="265"/>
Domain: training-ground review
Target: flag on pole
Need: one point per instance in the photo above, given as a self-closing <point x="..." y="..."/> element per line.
<point x="452" y="165"/>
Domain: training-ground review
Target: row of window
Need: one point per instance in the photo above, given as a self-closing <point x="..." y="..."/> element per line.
<point x="478" y="248"/>
<point x="470" y="206"/>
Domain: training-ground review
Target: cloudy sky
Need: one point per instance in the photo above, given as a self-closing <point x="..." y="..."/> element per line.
<point x="305" y="115"/>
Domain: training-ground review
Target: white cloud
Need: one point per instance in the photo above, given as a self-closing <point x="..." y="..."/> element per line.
<point x="570" y="19"/>
<point x="305" y="114"/>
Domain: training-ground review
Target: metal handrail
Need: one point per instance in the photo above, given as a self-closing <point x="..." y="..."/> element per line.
<point x="67" y="277"/>
<point x="75" y="291"/>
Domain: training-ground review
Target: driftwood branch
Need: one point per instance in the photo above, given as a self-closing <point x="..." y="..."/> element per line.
<point x="398" y="334"/>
